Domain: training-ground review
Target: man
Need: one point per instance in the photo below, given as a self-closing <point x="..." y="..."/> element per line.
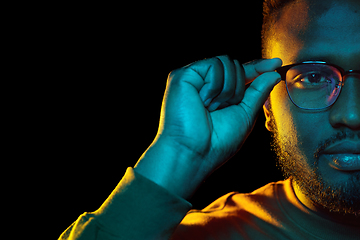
<point x="207" y="113"/>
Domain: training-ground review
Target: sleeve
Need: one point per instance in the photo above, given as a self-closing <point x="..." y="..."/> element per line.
<point x="137" y="209"/>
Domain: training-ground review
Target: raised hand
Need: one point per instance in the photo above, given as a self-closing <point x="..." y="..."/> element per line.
<point x="207" y="114"/>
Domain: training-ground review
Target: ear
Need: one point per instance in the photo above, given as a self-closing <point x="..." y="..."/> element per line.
<point x="267" y="111"/>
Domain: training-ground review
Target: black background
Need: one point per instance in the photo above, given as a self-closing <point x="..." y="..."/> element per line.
<point x="105" y="78"/>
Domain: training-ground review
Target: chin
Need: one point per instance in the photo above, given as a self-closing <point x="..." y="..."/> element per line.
<point x="337" y="192"/>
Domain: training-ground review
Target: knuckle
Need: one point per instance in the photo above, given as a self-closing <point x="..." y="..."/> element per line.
<point x="255" y="89"/>
<point x="224" y="57"/>
<point x="215" y="61"/>
<point x="173" y="73"/>
<point x="223" y="60"/>
<point x="253" y="62"/>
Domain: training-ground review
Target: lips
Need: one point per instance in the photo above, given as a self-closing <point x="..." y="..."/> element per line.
<point x="344" y="147"/>
<point x="344" y="155"/>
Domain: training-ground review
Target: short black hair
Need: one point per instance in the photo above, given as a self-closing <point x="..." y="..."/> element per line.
<point x="271" y="14"/>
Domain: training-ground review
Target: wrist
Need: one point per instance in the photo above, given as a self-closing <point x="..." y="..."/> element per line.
<point x="172" y="167"/>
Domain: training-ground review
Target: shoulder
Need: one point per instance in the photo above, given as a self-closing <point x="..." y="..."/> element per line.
<point x="233" y="202"/>
<point x="235" y="212"/>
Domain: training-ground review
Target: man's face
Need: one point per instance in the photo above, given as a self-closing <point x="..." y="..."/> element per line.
<point x="322" y="30"/>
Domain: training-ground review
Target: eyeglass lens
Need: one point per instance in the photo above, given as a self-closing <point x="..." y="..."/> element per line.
<point x="313" y="86"/>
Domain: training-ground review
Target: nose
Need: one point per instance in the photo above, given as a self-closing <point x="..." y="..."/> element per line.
<point x="346" y="110"/>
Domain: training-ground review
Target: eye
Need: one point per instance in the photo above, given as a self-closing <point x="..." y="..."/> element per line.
<point x="314" y="78"/>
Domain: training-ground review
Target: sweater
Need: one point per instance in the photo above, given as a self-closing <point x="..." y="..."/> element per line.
<point x="140" y="209"/>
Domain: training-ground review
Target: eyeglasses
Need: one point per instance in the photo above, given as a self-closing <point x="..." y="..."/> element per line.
<point x="314" y="85"/>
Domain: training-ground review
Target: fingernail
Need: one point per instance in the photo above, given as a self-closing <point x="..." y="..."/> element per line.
<point x="207" y="102"/>
<point x="214" y="106"/>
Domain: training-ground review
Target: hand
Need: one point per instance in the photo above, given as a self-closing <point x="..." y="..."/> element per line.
<point x="207" y="114"/>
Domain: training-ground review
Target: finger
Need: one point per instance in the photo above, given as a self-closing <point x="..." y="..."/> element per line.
<point x="255" y="68"/>
<point x="229" y="83"/>
<point x="240" y="84"/>
<point x="212" y="72"/>
<point x="257" y="93"/>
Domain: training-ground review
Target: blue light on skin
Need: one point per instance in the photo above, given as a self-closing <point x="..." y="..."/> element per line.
<point x="326" y="31"/>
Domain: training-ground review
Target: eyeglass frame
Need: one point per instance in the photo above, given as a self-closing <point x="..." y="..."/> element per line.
<point x="284" y="69"/>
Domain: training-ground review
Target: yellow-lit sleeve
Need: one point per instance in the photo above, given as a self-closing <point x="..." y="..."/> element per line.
<point x="136" y="209"/>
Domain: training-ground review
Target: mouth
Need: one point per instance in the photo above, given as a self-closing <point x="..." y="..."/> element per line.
<point x="344" y="162"/>
<point x="344" y="155"/>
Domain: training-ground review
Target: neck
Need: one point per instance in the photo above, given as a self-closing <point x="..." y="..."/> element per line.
<point x="349" y="219"/>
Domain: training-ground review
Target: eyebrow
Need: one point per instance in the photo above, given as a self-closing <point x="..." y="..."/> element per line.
<point x="326" y="59"/>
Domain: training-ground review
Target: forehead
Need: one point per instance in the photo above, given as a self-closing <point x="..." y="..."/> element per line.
<point x="318" y="30"/>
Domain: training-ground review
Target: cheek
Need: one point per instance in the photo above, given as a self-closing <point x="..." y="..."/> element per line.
<point x="295" y="128"/>
<point x="282" y="111"/>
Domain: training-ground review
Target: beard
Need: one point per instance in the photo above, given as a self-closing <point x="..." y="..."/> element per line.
<point x="340" y="197"/>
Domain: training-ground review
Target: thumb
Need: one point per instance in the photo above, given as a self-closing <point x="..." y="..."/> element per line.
<point x="257" y="93"/>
